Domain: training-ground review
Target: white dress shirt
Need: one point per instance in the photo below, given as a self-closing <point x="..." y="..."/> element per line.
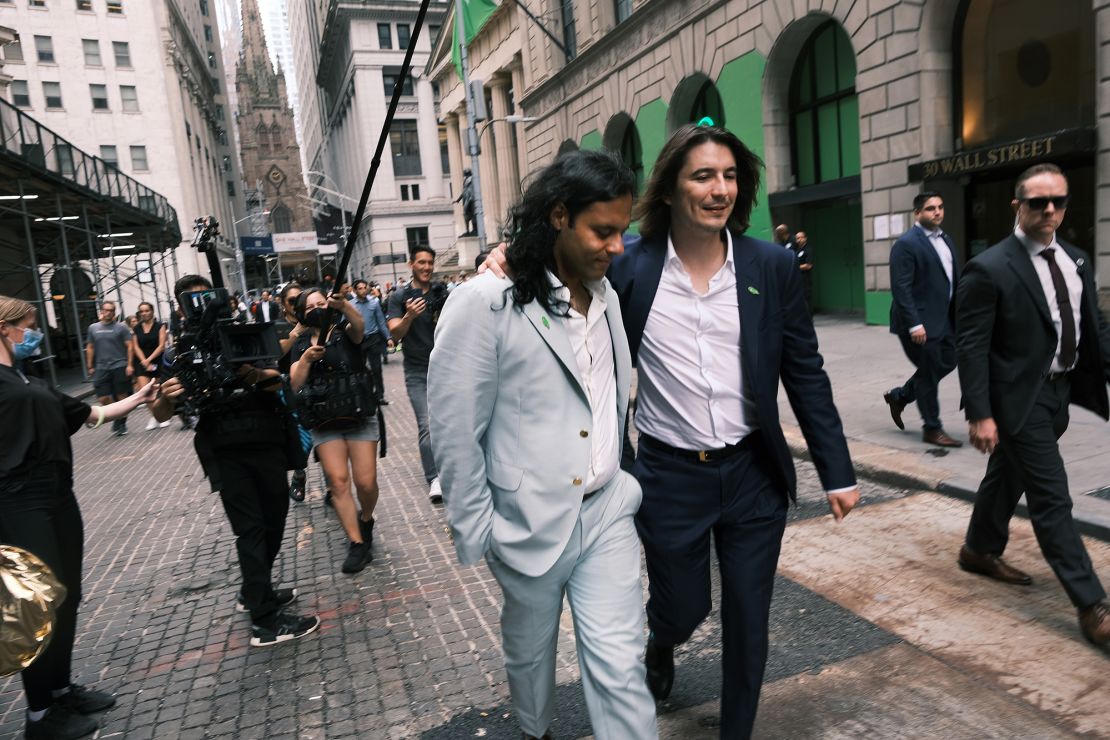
<point x="264" y="311"/>
<point x="1070" y="272"/>
<point x="593" y="350"/>
<point x="690" y="391"/>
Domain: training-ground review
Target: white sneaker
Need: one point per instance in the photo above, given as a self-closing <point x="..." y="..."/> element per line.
<point x="164" y="424"/>
<point x="152" y="424"/>
<point x="435" y="492"/>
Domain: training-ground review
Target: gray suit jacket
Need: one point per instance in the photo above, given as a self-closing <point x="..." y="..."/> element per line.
<point x="507" y="412"/>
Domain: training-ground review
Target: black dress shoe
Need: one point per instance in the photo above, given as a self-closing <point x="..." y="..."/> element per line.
<point x="659" y="661"/>
<point x="992" y="566"/>
<point x="896" y="408"/>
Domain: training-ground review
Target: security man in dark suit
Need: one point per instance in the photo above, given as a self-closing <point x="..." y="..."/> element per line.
<point x="715" y="319"/>
<point x="923" y="276"/>
<point x="1031" y="340"/>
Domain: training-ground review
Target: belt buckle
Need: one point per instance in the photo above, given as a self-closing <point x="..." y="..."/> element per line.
<point x="703" y="456"/>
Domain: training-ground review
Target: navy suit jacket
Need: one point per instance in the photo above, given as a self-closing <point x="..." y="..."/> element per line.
<point x="776" y="341"/>
<point x="919" y="287"/>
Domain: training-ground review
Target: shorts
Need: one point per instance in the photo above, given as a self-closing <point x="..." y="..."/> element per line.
<point x="112" y="383"/>
<point x="365" y="432"/>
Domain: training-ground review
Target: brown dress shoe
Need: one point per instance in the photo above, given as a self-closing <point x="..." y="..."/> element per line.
<point x="992" y="566"/>
<point x="1094" y="622"/>
<point x="940" y="437"/>
<point x="896" y="408"/>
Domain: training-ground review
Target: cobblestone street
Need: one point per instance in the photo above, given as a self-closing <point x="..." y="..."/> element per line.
<point x="408" y="648"/>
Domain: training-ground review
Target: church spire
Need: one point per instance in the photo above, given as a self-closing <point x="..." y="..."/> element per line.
<point x="267" y="135"/>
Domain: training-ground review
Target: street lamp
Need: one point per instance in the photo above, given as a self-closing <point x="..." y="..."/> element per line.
<point x="479" y="206"/>
<point x="239" y="247"/>
<point x="513" y="119"/>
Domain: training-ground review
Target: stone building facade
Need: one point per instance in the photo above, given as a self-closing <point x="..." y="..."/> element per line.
<point x="347" y="56"/>
<point x="141" y="85"/>
<point x="854" y="105"/>
<point x="267" y="134"/>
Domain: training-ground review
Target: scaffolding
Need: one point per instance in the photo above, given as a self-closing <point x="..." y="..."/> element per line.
<point x="74" y="230"/>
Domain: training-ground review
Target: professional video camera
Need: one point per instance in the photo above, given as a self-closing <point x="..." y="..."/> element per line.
<point x="213" y="346"/>
<point x="435" y="298"/>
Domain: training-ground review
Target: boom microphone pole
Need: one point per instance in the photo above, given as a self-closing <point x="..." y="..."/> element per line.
<point x="375" y="163"/>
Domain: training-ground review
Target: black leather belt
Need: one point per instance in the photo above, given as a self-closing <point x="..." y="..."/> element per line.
<point x="699" y="456"/>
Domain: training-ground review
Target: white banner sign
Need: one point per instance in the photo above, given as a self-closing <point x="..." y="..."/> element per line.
<point x="295" y="241"/>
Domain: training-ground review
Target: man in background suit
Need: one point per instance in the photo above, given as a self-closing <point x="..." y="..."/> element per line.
<point x="923" y="276"/>
<point x="1031" y="340"/>
<point x="528" y="390"/>
<point x="265" y="308"/>
<point x="715" y="320"/>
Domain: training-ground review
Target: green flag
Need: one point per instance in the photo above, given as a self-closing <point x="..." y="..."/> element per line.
<point x="475" y="13"/>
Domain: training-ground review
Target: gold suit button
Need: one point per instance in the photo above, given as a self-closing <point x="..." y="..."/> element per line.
<point x="583" y="433"/>
<point x="577" y="481"/>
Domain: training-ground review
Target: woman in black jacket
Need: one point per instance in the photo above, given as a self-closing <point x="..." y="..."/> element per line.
<point x="347" y="446"/>
<point x="39" y="512"/>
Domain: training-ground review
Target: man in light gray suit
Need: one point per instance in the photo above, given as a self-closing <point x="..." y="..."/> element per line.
<point x="528" y="390"/>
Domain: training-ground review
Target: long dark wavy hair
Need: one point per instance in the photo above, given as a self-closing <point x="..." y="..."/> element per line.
<point x="576" y="180"/>
<point x="652" y="210"/>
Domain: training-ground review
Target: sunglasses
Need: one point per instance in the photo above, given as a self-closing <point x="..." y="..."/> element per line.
<point x="1059" y="202"/>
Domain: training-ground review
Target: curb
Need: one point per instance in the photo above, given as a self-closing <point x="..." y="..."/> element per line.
<point x="881" y="465"/>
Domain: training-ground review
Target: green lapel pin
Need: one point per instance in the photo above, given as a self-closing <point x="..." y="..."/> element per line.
<point x="753" y="290"/>
<point x="546" y="325"/>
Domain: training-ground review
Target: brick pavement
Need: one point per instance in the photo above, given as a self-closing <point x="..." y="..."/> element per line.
<point x="407" y="648"/>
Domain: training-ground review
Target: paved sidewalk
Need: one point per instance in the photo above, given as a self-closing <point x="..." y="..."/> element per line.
<point x="865" y="361"/>
<point x="410" y="647"/>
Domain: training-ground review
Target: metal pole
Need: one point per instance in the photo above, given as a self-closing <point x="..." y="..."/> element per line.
<point x="72" y="291"/>
<point x="115" y="269"/>
<point x="38" y="283"/>
<point x="471" y="134"/>
<point x="94" y="260"/>
<point x="153" y="279"/>
<point x="393" y="262"/>
<point x="238" y="250"/>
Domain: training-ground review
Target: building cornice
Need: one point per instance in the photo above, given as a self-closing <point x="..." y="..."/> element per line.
<point x="651" y="25"/>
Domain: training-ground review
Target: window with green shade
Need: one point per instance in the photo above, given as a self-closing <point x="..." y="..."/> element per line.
<point x="824" y="109"/>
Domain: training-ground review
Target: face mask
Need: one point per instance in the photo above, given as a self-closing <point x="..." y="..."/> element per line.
<point x="31" y="340"/>
<point x="314" y="318"/>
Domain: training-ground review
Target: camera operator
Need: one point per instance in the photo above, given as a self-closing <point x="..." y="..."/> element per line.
<point x="241" y="444"/>
<point x="412" y="314"/>
<point x="331" y="374"/>
<point x="39" y="512"/>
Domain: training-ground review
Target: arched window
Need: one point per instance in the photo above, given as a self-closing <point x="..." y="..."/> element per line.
<point x="281" y="219"/>
<point x="633" y="155"/>
<point x="707" y="104"/>
<point x="824" y="111"/>
<point x="275" y="138"/>
<point x="263" y="135"/>
<point x="568" y="146"/>
<point x="1023" y="71"/>
<point x="621" y="136"/>
<point x="695" y="98"/>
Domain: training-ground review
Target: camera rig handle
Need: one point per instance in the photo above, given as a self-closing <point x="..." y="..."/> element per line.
<point x="204" y="228"/>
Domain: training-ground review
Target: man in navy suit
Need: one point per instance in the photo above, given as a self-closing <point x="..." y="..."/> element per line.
<point x="714" y="320"/>
<point x="923" y="276"/>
